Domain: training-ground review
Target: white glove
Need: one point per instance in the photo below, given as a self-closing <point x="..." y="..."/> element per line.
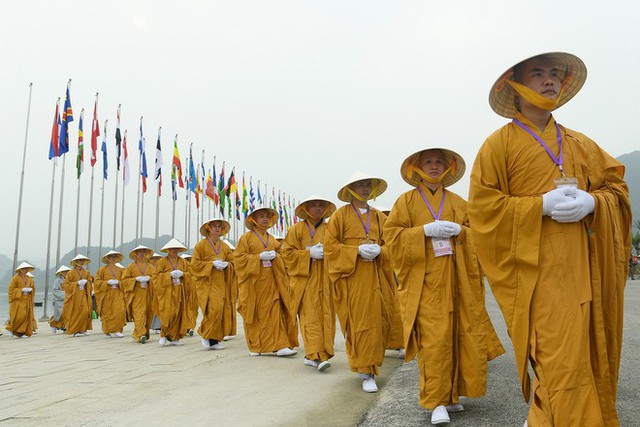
<point x="113" y="282"/>
<point x="560" y="195"/>
<point x="176" y="274"/>
<point x="139" y="279"/>
<point x="27" y="290"/>
<point x="441" y="229"/>
<point x="267" y="255"/>
<point x="82" y="282"/>
<point x="145" y="279"/>
<point x="574" y="210"/>
<point x="369" y="251"/>
<point x="220" y="265"/>
<point x="317" y="251"/>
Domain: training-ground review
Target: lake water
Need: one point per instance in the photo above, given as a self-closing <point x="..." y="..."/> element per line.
<point x="38" y="311"/>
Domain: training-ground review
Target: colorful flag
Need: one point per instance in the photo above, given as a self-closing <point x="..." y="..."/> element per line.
<point x="105" y="163"/>
<point x="80" y="158"/>
<point x="273" y="199"/>
<point x="210" y="189"/>
<point x="125" y="168"/>
<point x="245" y="202"/>
<point x="158" y="166"/>
<point x="55" y="129"/>
<point x="216" y="197"/>
<point x="143" y="159"/>
<point x="286" y="216"/>
<point x="192" y="172"/>
<point x="259" y="196"/>
<point x="238" y="204"/>
<point x="221" y="188"/>
<point x="118" y="141"/>
<point x="95" y="133"/>
<point x="67" y="117"/>
<point x="252" y="196"/>
<point x="233" y="187"/>
<point x="198" y="191"/>
<point x="280" y="212"/>
<point x="177" y="164"/>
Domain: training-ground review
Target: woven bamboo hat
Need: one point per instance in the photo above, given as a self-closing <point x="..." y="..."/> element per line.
<point x="379" y="186"/>
<point x="25" y="265"/>
<point x="572" y="73"/>
<point x="80" y="260"/>
<point x="273" y="217"/>
<point x="225" y="226"/>
<point x="147" y="251"/>
<point x="104" y="257"/>
<point x="63" y="269"/>
<point x="302" y="213"/>
<point x="173" y="244"/>
<point x="451" y="157"/>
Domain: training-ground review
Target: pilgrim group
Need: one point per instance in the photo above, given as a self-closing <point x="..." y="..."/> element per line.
<point x="547" y="225"/>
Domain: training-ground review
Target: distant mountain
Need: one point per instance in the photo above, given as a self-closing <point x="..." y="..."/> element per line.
<point x="631" y="161"/>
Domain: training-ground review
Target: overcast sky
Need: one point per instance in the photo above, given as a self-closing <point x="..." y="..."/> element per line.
<point x="298" y="94"/>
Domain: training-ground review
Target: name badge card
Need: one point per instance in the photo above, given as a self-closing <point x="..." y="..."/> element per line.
<point x="441" y="247"/>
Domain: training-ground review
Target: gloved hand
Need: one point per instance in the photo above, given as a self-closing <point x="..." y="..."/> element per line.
<point x="560" y="195"/>
<point x="218" y="264"/>
<point x="27" y="290"/>
<point x="82" y="282"/>
<point x="369" y="251"/>
<point x="574" y="210"/>
<point x="442" y="229"/>
<point x="316" y="251"/>
<point x="267" y="255"/>
<point x="145" y="278"/>
<point x="113" y="282"/>
<point x="176" y="274"/>
<point x="139" y="279"/>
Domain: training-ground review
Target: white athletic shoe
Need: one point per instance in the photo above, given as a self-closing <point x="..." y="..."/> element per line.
<point x="526" y="423"/>
<point x="218" y="346"/>
<point x="78" y="334"/>
<point x="9" y="333"/>
<point x="369" y="385"/>
<point x="309" y="362"/>
<point x="162" y="342"/>
<point x="176" y="343"/>
<point x="251" y="353"/>
<point x="323" y="366"/>
<point x="283" y="352"/>
<point x="119" y="335"/>
<point x="226" y="338"/>
<point x="25" y="336"/>
<point x="107" y="335"/>
<point x="205" y="343"/>
<point x="85" y="333"/>
<point x="440" y="415"/>
<point x="54" y="329"/>
<point x="401" y="353"/>
<point x="455" y="407"/>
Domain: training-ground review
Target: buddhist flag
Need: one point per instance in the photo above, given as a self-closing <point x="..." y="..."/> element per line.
<point x="80" y="158"/>
<point x="105" y="163"/>
<point x="53" y="144"/>
<point x="158" y="167"/>
<point x="210" y="189"/>
<point x="143" y="159"/>
<point x="176" y="168"/>
<point x="125" y="168"/>
<point x="67" y="117"/>
<point x="118" y="140"/>
<point x="95" y="133"/>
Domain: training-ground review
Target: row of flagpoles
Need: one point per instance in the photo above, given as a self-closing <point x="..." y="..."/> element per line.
<point x="207" y="187"/>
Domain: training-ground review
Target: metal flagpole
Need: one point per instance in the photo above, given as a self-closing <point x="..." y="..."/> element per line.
<point x="187" y="206"/>
<point x="46" y="271"/>
<point x="24" y="158"/>
<point x="102" y="189"/>
<point x="78" y="165"/>
<point x="158" y="177"/>
<point x="115" y="200"/>
<point x="139" y="179"/>
<point x="123" y="190"/>
<point x="64" y="158"/>
<point x="141" y="201"/>
<point x="93" y="153"/>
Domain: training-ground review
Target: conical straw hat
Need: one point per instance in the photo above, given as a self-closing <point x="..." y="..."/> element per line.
<point x="379" y="186"/>
<point x="300" y="209"/>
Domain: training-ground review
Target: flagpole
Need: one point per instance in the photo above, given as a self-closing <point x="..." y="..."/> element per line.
<point x="79" y="165"/>
<point x="186" y="206"/>
<point x="93" y="153"/>
<point x="141" y="201"/>
<point x="46" y="275"/>
<point x="115" y="207"/>
<point x="64" y="158"/>
<point x="104" y="166"/>
<point x="123" y="191"/>
<point x="139" y="179"/>
<point x="24" y="158"/>
<point x="159" y="179"/>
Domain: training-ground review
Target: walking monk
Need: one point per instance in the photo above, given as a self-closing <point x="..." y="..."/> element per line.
<point x="550" y="215"/>
<point x="109" y="293"/>
<point x="21" y="290"/>
<point x="136" y="282"/>
<point x="77" y="288"/>
<point x="56" y="321"/>
<point x="312" y="299"/>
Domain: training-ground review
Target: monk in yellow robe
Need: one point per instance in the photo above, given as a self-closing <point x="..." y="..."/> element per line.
<point x="21" y="291"/>
<point x="229" y="320"/>
<point x="263" y="290"/>
<point x="354" y="256"/>
<point x="110" y="301"/>
<point x="210" y="273"/>
<point x="440" y="285"/>
<point x="549" y="212"/>
<point x="170" y="281"/>
<point x="55" y="321"/>
<point x="192" y="304"/>
<point x="136" y="282"/>
<point x="155" y="322"/>
<point x="77" y="308"/>
<point x="312" y="299"/>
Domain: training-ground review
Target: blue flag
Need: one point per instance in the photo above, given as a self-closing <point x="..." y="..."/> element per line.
<point x="105" y="164"/>
<point x="67" y="117"/>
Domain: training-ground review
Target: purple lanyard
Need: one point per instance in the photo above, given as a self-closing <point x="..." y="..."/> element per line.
<point x="217" y="251"/>
<point x="312" y="231"/>
<point x="557" y="160"/>
<point x="265" y="244"/>
<point x="366" y="226"/>
<point x="141" y="270"/>
<point x="177" y="264"/>
<point x="111" y="271"/>
<point x="433" y="213"/>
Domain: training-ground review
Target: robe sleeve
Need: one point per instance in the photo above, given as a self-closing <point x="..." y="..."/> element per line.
<point x="15" y="289"/>
<point x="340" y="258"/>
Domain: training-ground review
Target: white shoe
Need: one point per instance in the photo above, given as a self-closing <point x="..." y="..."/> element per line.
<point x="85" y="333"/>
<point x="119" y="335"/>
<point x="107" y="335"/>
<point x="9" y="333"/>
<point x="78" y="334"/>
<point x="440" y="415"/>
<point x="455" y="407"/>
<point x="25" y="336"/>
<point x="369" y="385"/>
<point x="54" y="329"/>
<point x="401" y="353"/>
<point x="218" y="346"/>
<point x="526" y="423"/>
<point x="162" y="342"/>
<point x="309" y="362"/>
<point x="226" y="338"/>
<point x="323" y="366"/>
<point x="283" y="352"/>
<point x="205" y="343"/>
<point x="251" y="353"/>
<point x="176" y="343"/>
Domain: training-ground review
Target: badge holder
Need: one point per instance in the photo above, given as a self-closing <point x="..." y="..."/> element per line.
<point x="566" y="182"/>
<point x="441" y="246"/>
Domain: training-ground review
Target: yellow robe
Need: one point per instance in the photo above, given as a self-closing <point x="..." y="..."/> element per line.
<point x="110" y="303"/>
<point x="560" y="286"/>
<point x="172" y="300"/>
<point x="263" y="296"/>
<point x="441" y="299"/>
<point x="358" y="287"/>
<point x="21" y="306"/>
<point x="211" y="287"/>
<point x="76" y="311"/>
<point x="138" y="297"/>
<point x="229" y="318"/>
<point x="312" y="299"/>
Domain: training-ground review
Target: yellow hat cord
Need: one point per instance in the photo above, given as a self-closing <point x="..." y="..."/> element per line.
<point x="304" y="208"/>
<point x="358" y="197"/>
<point x="534" y="97"/>
<point x="414" y="169"/>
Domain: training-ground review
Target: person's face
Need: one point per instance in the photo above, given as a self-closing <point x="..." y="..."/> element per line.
<point x="140" y="255"/>
<point x="112" y="258"/>
<point x="174" y="252"/>
<point x="316" y="208"/>
<point x="362" y="188"/>
<point x="433" y="163"/>
<point x="262" y="219"/>
<point x="540" y="75"/>
<point x="215" y="229"/>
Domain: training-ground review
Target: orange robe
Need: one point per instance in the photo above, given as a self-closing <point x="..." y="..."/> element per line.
<point x="76" y="311"/>
<point x="358" y="287"/>
<point x="110" y="303"/>
<point x="229" y="317"/>
<point x="560" y="286"/>
<point x="138" y="297"/>
<point x="211" y="287"/>
<point x="173" y="300"/>
<point x="312" y="299"/>
<point x="21" y="306"/>
<point x="441" y="299"/>
<point x="263" y="296"/>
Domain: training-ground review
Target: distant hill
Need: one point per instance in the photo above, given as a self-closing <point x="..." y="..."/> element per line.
<point x="631" y="161"/>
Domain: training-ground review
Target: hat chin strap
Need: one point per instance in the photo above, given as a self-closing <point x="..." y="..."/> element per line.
<point x="304" y="208"/>
<point x="358" y="197"/>
<point x="427" y="178"/>
<point x="260" y="228"/>
<point x="534" y="97"/>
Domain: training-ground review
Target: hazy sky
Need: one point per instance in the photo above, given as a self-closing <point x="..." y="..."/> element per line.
<point x="298" y="94"/>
